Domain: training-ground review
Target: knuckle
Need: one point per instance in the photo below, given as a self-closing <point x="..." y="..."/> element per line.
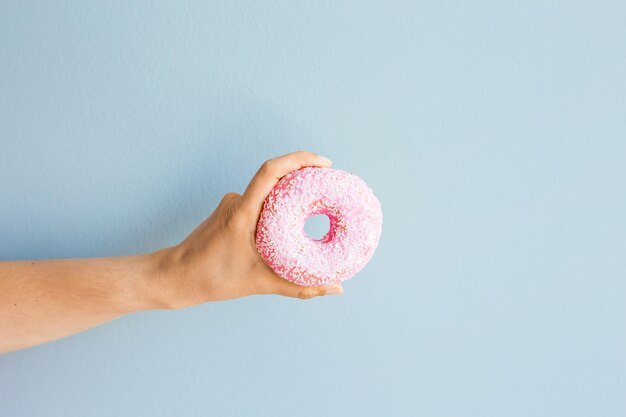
<point x="228" y="203"/>
<point x="306" y="293"/>
<point x="267" y="167"/>
<point x="230" y="196"/>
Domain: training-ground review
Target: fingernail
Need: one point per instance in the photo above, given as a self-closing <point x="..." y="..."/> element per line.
<point x="326" y="160"/>
<point x="333" y="291"/>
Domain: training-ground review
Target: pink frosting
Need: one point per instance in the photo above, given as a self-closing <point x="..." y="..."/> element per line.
<point x="355" y="226"/>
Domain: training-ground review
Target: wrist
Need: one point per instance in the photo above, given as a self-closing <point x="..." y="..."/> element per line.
<point x="161" y="280"/>
<point x="152" y="287"/>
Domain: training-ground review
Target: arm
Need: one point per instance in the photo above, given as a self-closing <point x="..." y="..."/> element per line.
<point x="45" y="300"/>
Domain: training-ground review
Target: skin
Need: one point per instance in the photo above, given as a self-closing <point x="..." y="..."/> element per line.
<point x="44" y="300"/>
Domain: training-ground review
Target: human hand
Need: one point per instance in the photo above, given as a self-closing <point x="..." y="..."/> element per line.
<point x="219" y="260"/>
<point x="44" y="300"/>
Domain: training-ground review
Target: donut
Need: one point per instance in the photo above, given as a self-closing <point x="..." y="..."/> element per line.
<point x="355" y="226"/>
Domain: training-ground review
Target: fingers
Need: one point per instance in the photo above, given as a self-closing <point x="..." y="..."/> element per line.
<point x="270" y="283"/>
<point x="304" y="293"/>
<point x="274" y="169"/>
<point x="252" y="202"/>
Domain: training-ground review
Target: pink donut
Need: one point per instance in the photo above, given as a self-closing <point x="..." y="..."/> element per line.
<point x="355" y="226"/>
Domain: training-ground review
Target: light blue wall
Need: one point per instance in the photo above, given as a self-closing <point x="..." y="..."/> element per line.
<point x="494" y="134"/>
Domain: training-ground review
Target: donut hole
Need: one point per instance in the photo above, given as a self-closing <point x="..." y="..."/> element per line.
<point x="317" y="226"/>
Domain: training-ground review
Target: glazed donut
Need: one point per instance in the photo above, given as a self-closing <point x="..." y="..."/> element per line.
<point x="355" y="226"/>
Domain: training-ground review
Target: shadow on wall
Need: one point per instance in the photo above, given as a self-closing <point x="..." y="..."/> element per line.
<point x="223" y="155"/>
<point x="148" y="190"/>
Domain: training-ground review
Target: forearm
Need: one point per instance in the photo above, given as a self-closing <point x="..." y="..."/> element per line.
<point x="45" y="300"/>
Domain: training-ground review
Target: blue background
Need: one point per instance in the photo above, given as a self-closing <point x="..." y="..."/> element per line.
<point x="494" y="134"/>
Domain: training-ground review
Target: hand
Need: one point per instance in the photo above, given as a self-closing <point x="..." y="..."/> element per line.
<point x="219" y="260"/>
<point x="44" y="300"/>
